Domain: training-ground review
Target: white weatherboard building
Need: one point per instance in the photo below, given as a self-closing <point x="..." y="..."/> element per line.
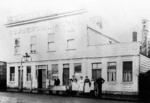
<point x="66" y="44"/>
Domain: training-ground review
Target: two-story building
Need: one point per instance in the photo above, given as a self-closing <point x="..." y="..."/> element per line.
<point x="66" y="44"/>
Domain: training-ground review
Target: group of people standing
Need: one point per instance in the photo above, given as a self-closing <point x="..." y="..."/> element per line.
<point x="85" y="85"/>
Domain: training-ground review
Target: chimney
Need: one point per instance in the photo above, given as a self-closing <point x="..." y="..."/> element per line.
<point x="134" y="36"/>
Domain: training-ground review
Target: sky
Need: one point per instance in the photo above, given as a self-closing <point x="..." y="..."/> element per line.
<point x="119" y="17"/>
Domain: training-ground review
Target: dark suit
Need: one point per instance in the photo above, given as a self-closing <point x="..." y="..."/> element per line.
<point x="56" y="82"/>
<point x="99" y="82"/>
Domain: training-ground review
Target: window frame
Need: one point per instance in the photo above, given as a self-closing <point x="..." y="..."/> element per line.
<point x="75" y="64"/>
<point x="12" y="73"/>
<point x="68" y="47"/>
<point x="131" y="73"/>
<point x="17" y="46"/>
<point x="51" y="41"/>
<point x="33" y="43"/>
<point x="112" y="72"/>
<point x="28" y="74"/>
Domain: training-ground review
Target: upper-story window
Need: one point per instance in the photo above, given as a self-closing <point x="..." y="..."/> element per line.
<point x="71" y="44"/>
<point x="33" y="44"/>
<point x="17" y="46"/>
<point x="51" y="42"/>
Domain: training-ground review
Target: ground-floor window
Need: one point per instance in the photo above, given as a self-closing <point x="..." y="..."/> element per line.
<point x="111" y="71"/>
<point x="77" y="67"/>
<point x="127" y="71"/>
<point x="54" y="71"/>
<point x="28" y="73"/>
<point x="12" y="73"/>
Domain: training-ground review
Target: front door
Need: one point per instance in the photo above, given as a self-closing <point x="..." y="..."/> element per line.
<point x="41" y="78"/>
<point x="65" y="76"/>
<point x="96" y="73"/>
<point x="20" y="79"/>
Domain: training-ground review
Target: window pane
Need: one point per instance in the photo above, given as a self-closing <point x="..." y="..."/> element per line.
<point x="77" y="68"/>
<point x="12" y="69"/>
<point x="17" y="42"/>
<point x="33" y="40"/>
<point x="28" y="69"/>
<point x="111" y="75"/>
<point x="127" y="71"/>
<point x="55" y="68"/>
<point x="51" y="37"/>
<point x="94" y="66"/>
<point x="66" y="66"/>
<point x="17" y="49"/>
<point x="33" y="48"/>
<point x="51" y="46"/>
<point x="71" y="44"/>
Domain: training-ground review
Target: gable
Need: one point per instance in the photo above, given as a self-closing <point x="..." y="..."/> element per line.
<point x="97" y="38"/>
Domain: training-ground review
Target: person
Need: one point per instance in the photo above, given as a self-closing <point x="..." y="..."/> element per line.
<point x="87" y="85"/>
<point x="69" y="91"/>
<point x="56" y="81"/>
<point x="99" y="82"/>
<point x="81" y="84"/>
<point x="73" y="78"/>
<point x="73" y="85"/>
<point x="92" y="87"/>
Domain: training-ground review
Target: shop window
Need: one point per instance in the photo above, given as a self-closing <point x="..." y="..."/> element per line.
<point x="17" y="46"/>
<point x="96" y="70"/>
<point x="54" y="71"/>
<point x="77" y="68"/>
<point x="12" y="73"/>
<point x="111" y="72"/>
<point x="51" y="42"/>
<point x="70" y="44"/>
<point x="33" y="44"/>
<point x="28" y="73"/>
<point x="127" y="71"/>
<point x="54" y="68"/>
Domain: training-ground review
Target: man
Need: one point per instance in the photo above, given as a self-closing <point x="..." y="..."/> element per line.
<point x="99" y="82"/>
<point x="57" y="81"/>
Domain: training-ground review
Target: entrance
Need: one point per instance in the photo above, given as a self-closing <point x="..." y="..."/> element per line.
<point x="96" y="73"/>
<point x="41" y="78"/>
<point x="66" y="74"/>
<point x="20" y="78"/>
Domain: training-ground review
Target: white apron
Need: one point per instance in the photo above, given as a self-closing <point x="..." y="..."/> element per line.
<point x="87" y="88"/>
<point x="81" y="85"/>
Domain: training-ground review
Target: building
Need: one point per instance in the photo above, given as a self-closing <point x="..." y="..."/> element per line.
<point x="66" y="44"/>
<point x="3" y="67"/>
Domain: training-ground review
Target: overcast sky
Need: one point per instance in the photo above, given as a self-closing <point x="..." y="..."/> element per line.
<point x="120" y="17"/>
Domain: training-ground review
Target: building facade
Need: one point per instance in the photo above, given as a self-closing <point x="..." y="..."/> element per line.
<point x="66" y="44"/>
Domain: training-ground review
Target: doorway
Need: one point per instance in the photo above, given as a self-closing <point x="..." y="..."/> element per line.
<point x="96" y="73"/>
<point x="41" y="78"/>
<point x="20" y="78"/>
<point x="66" y="74"/>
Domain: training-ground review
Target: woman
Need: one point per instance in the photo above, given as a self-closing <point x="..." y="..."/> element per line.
<point x="87" y="85"/>
<point x="81" y="84"/>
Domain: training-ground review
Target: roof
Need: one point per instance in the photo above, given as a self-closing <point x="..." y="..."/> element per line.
<point x="99" y="31"/>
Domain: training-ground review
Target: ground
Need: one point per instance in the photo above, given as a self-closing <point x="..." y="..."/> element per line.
<point x="9" y="97"/>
